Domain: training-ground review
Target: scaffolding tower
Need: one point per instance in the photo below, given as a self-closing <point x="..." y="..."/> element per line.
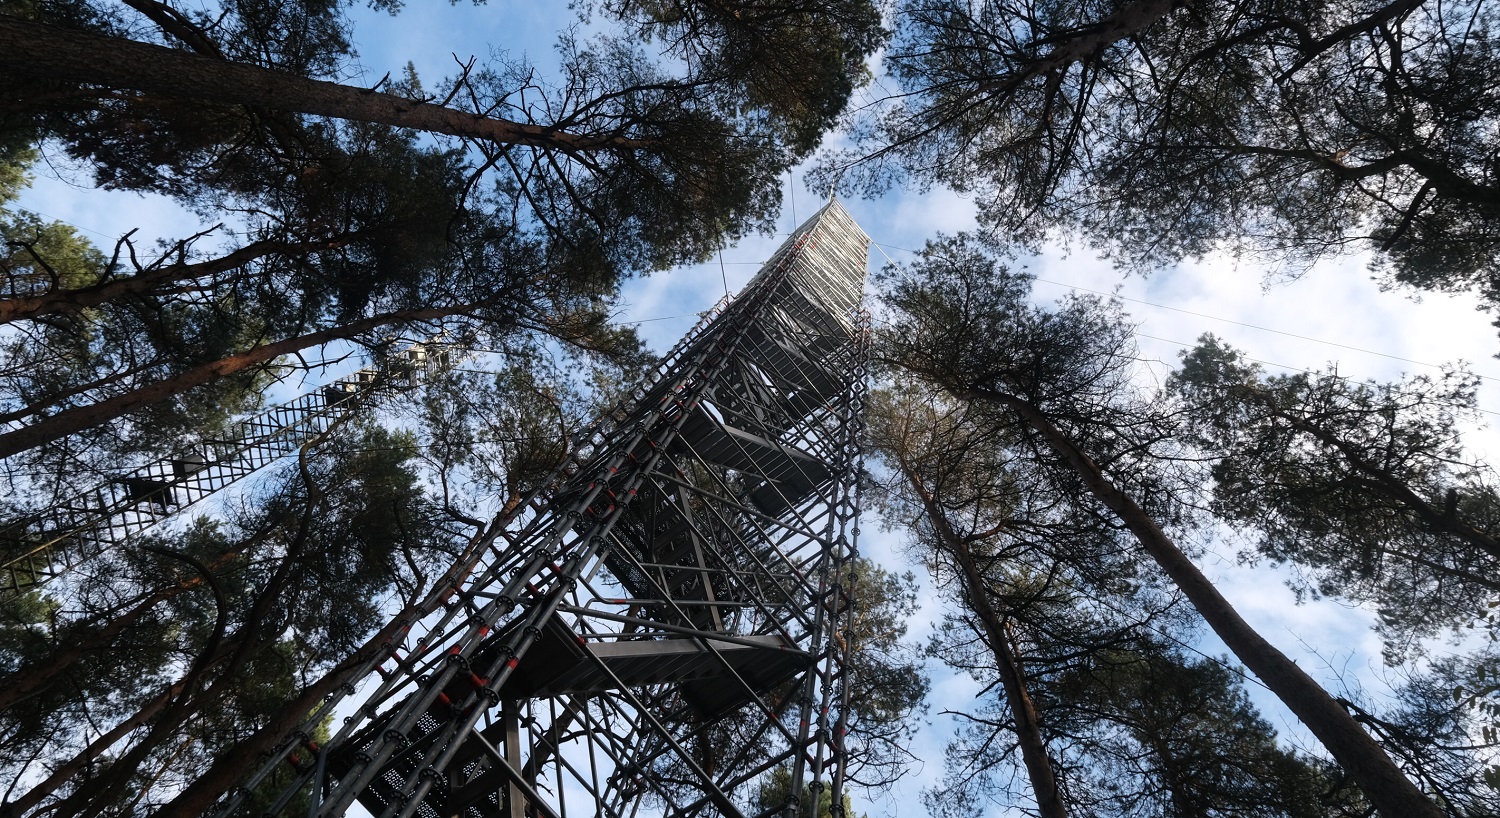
<point x="661" y="626"/>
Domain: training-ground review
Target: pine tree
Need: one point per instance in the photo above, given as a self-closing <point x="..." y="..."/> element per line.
<point x="353" y="230"/>
<point x="1060" y="379"/>
<point x="1159" y="131"/>
<point x="1052" y="608"/>
<point x="214" y="630"/>
<point x="1364" y="485"/>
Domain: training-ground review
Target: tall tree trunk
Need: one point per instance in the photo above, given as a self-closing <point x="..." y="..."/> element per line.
<point x="62" y="396"/>
<point x="1356" y="752"/>
<point x="52" y="52"/>
<point x="33" y="679"/>
<point x="102" y="791"/>
<point x="1023" y="711"/>
<point x="98" y="748"/>
<point x="234" y="764"/>
<point x="78" y="418"/>
<point x="1049" y="800"/>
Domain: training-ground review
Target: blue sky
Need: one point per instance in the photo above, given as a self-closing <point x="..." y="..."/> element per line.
<point x="1335" y="312"/>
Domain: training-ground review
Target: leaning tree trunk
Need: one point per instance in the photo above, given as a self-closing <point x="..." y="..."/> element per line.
<point x="97" y="750"/>
<point x="55" y="53"/>
<point x="150" y="280"/>
<point x="1049" y="801"/>
<point x="1083" y="44"/>
<point x="1392" y="793"/>
<point x="31" y="679"/>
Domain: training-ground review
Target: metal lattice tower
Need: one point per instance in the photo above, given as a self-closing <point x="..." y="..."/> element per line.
<point x="661" y="626"/>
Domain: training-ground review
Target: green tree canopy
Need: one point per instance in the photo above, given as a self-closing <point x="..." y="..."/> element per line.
<point x="177" y="650"/>
<point x="1364" y="485"/>
<point x="1060" y="380"/>
<point x="1159" y="131"/>
<point x="1048" y="600"/>
<point x="650" y="145"/>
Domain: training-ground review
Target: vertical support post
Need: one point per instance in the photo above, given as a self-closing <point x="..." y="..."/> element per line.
<point x="510" y="717"/>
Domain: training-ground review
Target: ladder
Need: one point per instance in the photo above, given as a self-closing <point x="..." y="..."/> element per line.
<point x="42" y="547"/>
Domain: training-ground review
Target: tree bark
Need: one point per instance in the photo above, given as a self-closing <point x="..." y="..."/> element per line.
<point x="97" y="797"/>
<point x="96" y="750"/>
<point x="78" y="418"/>
<point x="234" y="764"/>
<point x="53" y="52"/>
<point x="32" y="679"/>
<point x="1085" y="44"/>
<point x="1049" y="801"/>
<point x="1393" y="795"/>
<point x="93" y="752"/>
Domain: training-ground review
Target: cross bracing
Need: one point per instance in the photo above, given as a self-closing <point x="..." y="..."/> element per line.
<point x="658" y="628"/>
